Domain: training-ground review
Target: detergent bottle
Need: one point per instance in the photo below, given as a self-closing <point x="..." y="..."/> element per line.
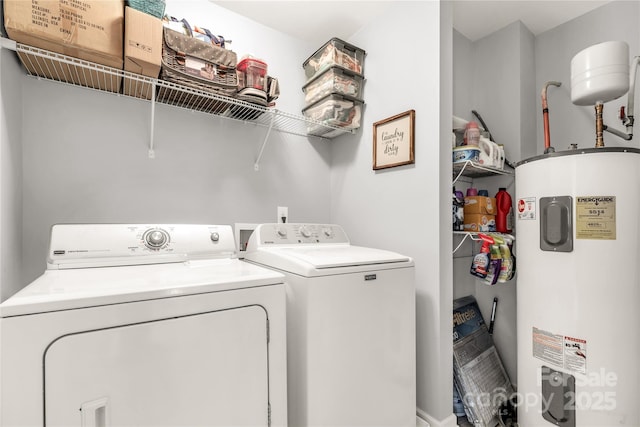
<point x="504" y="216"/>
<point x="488" y="152"/>
<point x="500" y="157"/>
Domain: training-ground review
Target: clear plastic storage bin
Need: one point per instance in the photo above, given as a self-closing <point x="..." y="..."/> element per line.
<point x="335" y="52"/>
<point x="333" y="80"/>
<point x="334" y="110"/>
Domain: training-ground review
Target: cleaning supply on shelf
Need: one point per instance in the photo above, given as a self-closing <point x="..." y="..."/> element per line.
<point x="479" y="205"/>
<point x="471" y="134"/>
<point x="465" y="154"/>
<point x="501" y="157"/>
<point x="488" y="152"/>
<point x="512" y="272"/>
<point x="458" y="210"/>
<point x="479" y="213"/>
<point x="504" y="215"/>
<point x="506" y="269"/>
<point x="495" y="261"/>
<point x="474" y="223"/>
<point x="480" y="262"/>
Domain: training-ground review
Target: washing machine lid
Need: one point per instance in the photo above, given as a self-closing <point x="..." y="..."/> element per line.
<point x="339" y="256"/>
<point x="327" y="259"/>
<point x="89" y="287"/>
<point x="315" y="250"/>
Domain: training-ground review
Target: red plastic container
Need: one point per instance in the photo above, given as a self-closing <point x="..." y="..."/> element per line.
<point x="252" y="73"/>
<point x="504" y="216"/>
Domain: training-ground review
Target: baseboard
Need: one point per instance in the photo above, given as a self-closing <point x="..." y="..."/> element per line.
<point x="425" y="420"/>
<point x="420" y="422"/>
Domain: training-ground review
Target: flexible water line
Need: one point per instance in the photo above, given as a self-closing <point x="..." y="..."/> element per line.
<point x="545" y="116"/>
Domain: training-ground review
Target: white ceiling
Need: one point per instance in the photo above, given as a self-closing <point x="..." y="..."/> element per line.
<point x="317" y="21"/>
<point x="477" y="18"/>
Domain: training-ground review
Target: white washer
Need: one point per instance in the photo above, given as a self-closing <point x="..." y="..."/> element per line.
<point x="145" y="325"/>
<point x="350" y="326"/>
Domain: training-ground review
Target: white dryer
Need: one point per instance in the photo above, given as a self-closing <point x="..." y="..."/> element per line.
<point x="350" y="326"/>
<point x="145" y="325"/>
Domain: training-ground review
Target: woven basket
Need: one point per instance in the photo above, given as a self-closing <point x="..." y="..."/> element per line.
<point x="152" y="7"/>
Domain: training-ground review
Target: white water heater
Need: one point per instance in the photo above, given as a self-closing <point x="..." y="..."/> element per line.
<point x="578" y="309"/>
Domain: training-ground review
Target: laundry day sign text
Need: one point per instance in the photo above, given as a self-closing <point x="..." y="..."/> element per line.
<point x="393" y="141"/>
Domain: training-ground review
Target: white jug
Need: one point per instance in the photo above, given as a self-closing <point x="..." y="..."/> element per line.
<point x="488" y="152"/>
<point x="500" y="157"/>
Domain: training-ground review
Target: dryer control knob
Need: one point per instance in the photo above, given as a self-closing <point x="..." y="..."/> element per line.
<point x="215" y="236"/>
<point x="305" y="232"/>
<point x="155" y="238"/>
<point x="282" y="232"/>
<point x="327" y="231"/>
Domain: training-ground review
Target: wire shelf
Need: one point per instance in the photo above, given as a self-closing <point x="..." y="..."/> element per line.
<point x="475" y="237"/>
<point x="53" y="66"/>
<point x="474" y="170"/>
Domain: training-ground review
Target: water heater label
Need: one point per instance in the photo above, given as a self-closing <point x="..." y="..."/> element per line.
<point x="526" y="208"/>
<point x="562" y="351"/>
<point x="596" y="217"/>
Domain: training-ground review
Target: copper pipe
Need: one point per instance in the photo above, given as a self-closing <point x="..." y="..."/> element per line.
<point x="599" y="125"/>
<point x="545" y="116"/>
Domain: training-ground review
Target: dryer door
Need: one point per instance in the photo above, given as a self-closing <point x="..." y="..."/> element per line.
<point x="207" y="369"/>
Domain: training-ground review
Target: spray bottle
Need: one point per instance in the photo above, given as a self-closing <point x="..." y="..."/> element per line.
<point x="495" y="261"/>
<point x="480" y="263"/>
<point x="506" y="270"/>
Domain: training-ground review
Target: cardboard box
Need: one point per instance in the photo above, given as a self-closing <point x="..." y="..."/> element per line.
<point x="84" y="29"/>
<point x="479" y="205"/>
<point x="479" y="222"/>
<point x="142" y="50"/>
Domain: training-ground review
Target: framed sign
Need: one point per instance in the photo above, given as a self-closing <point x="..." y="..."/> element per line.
<point x="393" y="141"/>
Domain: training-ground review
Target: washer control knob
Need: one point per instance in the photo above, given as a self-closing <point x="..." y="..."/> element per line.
<point x="282" y="232"/>
<point x="327" y="231"/>
<point x="215" y="236"/>
<point x="305" y="232"/>
<point x="155" y="238"/>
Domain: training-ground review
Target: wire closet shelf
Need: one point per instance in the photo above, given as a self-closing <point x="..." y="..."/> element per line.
<point x="65" y="69"/>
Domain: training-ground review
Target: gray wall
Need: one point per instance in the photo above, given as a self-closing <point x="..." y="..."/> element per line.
<point x="554" y="49"/>
<point x="85" y="153"/>
<point x="10" y="175"/>
<point x="406" y="209"/>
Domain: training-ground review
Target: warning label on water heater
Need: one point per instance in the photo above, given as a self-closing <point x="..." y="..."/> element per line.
<point x="565" y="352"/>
<point x="596" y="217"/>
<point x="526" y="207"/>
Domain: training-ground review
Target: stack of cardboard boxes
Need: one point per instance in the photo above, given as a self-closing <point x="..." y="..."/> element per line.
<point x="479" y="214"/>
<point x="102" y="32"/>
